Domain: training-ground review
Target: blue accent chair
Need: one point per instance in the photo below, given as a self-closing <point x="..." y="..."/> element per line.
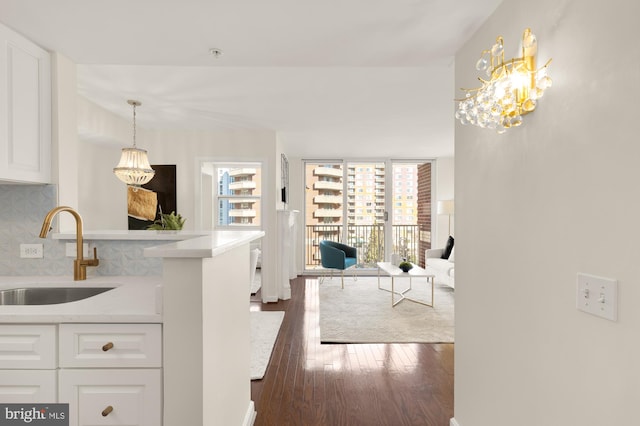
<point x="339" y="256"/>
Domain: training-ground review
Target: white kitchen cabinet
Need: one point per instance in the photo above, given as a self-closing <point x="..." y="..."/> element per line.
<point x="129" y="397"/>
<point x="25" y="110"/>
<point x="28" y="386"/>
<point x="110" y="345"/>
<point x="111" y="373"/>
<point x="28" y="346"/>
<point x="28" y="362"/>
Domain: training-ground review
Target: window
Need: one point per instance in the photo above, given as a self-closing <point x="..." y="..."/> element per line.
<point x="239" y="195"/>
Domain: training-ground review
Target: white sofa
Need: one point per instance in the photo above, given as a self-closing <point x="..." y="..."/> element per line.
<point x="443" y="268"/>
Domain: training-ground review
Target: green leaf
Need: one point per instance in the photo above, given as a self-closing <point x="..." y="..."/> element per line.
<point x="168" y="222"/>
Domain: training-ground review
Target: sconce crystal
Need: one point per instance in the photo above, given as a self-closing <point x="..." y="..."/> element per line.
<point x="513" y="88"/>
<point x="133" y="168"/>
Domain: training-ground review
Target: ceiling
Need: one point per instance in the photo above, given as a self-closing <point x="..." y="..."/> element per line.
<point x="331" y="76"/>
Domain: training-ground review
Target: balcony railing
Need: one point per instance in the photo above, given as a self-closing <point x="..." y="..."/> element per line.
<point x="327" y="199"/>
<point x="242" y="213"/>
<point x="368" y="239"/>
<point x="327" y="171"/>
<point x="242" y="172"/>
<point x="335" y="186"/>
<point x="320" y="213"/>
<point x="243" y="184"/>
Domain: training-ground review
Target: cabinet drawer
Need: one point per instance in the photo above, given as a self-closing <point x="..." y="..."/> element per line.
<point x="27" y="346"/>
<point x="28" y="386"/>
<point x="112" y="397"/>
<point x="110" y="345"/>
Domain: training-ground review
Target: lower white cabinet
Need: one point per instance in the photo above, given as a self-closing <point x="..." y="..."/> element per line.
<point x="109" y="374"/>
<point x="110" y="345"/>
<point x="112" y="396"/>
<point x="25" y="346"/>
<point x="28" y="386"/>
<point x="28" y="362"/>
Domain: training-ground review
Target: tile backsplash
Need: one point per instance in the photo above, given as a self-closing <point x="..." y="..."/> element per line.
<point x="22" y="210"/>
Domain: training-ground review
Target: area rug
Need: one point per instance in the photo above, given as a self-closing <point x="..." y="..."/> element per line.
<point x="361" y="313"/>
<point x="265" y="326"/>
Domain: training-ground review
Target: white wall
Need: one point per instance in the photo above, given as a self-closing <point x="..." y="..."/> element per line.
<point x="103" y="198"/>
<point x="539" y="204"/>
<point x="444" y="191"/>
<point x="64" y="139"/>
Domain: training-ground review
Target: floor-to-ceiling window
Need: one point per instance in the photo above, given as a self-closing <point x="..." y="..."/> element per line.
<point x="380" y="207"/>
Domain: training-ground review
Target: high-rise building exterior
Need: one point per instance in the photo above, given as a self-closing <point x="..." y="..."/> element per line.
<point x="238" y="196"/>
<point x="364" y="206"/>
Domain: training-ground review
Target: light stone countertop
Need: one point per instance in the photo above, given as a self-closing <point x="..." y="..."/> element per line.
<point x="134" y="300"/>
<point x="212" y="245"/>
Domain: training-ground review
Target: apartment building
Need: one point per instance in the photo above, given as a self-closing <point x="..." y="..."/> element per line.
<point x="238" y="196"/>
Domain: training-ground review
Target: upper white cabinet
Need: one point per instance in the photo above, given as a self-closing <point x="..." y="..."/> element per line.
<point x="25" y="110"/>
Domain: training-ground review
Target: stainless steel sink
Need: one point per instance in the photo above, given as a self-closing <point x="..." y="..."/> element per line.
<point x="48" y="295"/>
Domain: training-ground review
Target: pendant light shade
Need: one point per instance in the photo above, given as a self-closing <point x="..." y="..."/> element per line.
<point x="133" y="168"/>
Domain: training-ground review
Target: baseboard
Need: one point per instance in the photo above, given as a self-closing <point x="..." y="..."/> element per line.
<point x="250" y="416"/>
<point x="453" y="422"/>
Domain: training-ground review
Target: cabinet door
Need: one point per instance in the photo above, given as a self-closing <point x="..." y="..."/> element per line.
<point x="25" y="110"/>
<point x="28" y="346"/>
<point x="112" y="396"/>
<point x="110" y="345"/>
<point x="28" y="386"/>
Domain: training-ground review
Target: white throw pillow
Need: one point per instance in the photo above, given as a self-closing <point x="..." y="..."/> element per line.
<point x="452" y="255"/>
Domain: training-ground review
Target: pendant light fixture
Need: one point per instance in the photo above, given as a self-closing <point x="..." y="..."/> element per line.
<point x="133" y="168"/>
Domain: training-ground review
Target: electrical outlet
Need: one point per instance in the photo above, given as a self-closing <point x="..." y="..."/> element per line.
<point x="597" y="296"/>
<point x="71" y="250"/>
<point x="31" y="251"/>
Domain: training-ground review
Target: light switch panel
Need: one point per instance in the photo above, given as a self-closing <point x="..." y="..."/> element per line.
<point x="31" y="251"/>
<point x="597" y="296"/>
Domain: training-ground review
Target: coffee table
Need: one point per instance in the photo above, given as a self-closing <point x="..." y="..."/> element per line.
<point x="394" y="272"/>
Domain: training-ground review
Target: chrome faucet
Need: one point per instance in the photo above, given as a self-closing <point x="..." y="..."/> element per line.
<point x="80" y="264"/>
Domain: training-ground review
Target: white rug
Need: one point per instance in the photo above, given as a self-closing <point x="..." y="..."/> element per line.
<point x="265" y="326"/>
<point x="361" y="313"/>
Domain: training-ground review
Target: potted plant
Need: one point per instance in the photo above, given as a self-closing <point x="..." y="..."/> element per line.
<point x="405" y="266"/>
<point x="168" y="222"/>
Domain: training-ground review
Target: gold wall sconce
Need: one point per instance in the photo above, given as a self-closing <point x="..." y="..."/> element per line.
<point x="513" y="89"/>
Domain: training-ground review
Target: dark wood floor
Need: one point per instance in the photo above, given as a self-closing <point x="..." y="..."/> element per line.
<point x="308" y="383"/>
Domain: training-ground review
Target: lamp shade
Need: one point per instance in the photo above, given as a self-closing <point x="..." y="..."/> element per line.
<point x="133" y="168"/>
<point x="445" y="207"/>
